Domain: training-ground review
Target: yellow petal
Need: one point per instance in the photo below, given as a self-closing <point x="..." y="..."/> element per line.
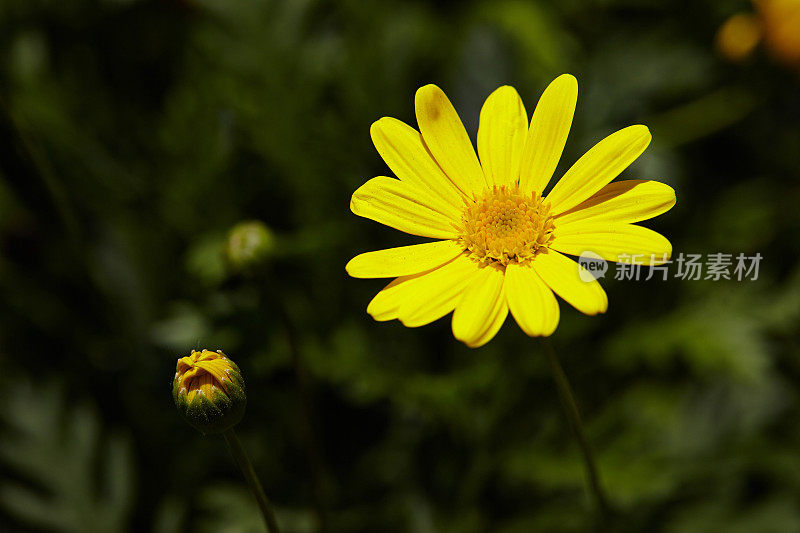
<point x="563" y="275"/>
<point x="437" y="293"/>
<point x="532" y="303"/>
<point x="482" y="309"/>
<point x="622" y="201"/>
<point x="403" y="261"/>
<point x="445" y="136"/>
<point x="501" y="136"/>
<point x="497" y="321"/>
<point x="385" y="305"/>
<point x="612" y="241"/>
<point x="402" y="149"/>
<point x="548" y="133"/>
<point x="601" y="164"/>
<point x="404" y="207"/>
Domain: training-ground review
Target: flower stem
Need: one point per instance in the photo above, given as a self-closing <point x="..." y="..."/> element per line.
<point x="252" y="479"/>
<point x="574" y="417"/>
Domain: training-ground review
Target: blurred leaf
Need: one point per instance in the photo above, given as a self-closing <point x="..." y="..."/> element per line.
<point x="72" y="477"/>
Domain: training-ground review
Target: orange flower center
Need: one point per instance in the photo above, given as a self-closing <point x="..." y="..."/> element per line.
<point x="202" y="372"/>
<point x="506" y="226"/>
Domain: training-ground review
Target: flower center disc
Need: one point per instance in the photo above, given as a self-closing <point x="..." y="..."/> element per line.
<point x="506" y="226"/>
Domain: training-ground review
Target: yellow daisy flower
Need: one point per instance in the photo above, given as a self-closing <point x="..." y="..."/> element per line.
<point x="501" y="242"/>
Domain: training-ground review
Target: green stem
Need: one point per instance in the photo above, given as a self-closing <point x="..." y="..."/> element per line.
<point x="574" y="417"/>
<point x="252" y="479"/>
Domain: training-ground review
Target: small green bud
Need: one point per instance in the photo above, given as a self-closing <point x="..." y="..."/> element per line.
<point x="209" y="391"/>
<point x="249" y="245"/>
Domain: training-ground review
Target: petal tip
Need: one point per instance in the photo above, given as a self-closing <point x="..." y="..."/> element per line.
<point x="567" y="79"/>
<point x="505" y="89"/>
<point x="349" y="267"/>
<point x="383" y="121"/>
<point x="375" y="126"/>
<point x="426" y="91"/>
<point x="673" y="198"/>
<point x="430" y="99"/>
<point x="642" y="130"/>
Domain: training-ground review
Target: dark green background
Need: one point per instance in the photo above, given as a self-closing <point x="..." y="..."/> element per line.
<point x="134" y="134"/>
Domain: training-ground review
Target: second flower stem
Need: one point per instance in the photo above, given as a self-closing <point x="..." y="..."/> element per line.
<point x="252" y="479"/>
<point x="574" y="417"/>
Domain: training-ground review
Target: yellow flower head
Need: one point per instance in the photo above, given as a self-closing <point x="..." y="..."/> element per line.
<point x="501" y="240"/>
<point x="209" y="391"/>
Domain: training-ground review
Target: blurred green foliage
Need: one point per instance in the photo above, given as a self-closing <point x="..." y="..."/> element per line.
<point x="85" y="479"/>
<point x="135" y="134"/>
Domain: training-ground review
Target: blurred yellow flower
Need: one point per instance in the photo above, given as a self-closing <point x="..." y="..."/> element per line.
<point x="501" y="243"/>
<point x="781" y="23"/>
<point x="776" y="22"/>
<point x="738" y="36"/>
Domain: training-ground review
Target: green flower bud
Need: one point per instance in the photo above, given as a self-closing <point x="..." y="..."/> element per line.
<point x="249" y="245"/>
<point x="209" y="391"/>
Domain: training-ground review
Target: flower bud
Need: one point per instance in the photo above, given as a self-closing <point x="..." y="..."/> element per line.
<point x="209" y="391"/>
<point x="249" y="245"/>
